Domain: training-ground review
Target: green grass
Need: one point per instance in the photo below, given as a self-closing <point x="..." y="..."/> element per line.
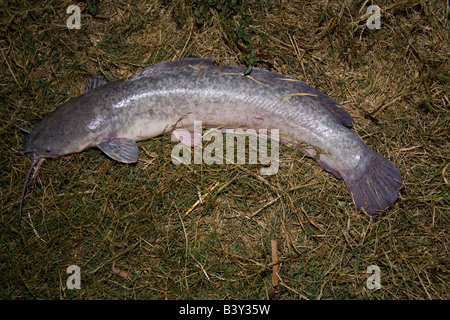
<point x="90" y="211"/>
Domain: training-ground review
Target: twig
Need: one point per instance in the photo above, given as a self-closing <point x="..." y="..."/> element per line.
<point x="276" y="266"/>
<point x="202" y="198"/>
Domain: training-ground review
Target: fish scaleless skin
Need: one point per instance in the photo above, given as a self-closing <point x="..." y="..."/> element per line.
<point x="173" y="95"/>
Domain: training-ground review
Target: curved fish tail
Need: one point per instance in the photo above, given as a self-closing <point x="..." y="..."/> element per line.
<point x="374" y="184"/>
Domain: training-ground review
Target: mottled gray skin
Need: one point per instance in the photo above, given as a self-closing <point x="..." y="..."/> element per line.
<point x="173" y="95"/>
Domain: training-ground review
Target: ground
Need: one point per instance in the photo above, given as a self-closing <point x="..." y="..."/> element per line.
<point x="125" y="226"/>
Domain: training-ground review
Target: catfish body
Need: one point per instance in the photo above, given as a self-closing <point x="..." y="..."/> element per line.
<point x="172" y="95"/>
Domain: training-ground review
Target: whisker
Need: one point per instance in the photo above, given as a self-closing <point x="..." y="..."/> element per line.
<point x="35" y="163"/>
<point x="22" y="129"/>
<point x="15" y="152"/>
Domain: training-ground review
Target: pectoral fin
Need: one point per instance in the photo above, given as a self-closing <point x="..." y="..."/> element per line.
<point x="120" y="149"/>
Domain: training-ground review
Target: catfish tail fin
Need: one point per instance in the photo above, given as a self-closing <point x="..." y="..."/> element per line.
<point x="374" y="184"/>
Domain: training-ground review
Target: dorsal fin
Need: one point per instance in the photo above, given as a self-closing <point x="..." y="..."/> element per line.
<point x="95" y="81"/>
<point x="169" y="66"/>
<point x="321" y="100"/>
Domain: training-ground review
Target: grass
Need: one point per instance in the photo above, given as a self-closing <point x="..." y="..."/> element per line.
<point x="103" y="216"/>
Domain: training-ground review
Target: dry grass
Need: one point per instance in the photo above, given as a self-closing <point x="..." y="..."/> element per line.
<point x="102" y="215"/>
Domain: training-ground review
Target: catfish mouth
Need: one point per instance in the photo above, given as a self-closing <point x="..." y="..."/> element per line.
<point x="31" y="154"/>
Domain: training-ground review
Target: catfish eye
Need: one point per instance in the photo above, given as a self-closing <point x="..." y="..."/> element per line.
<point x="47" y="149"/>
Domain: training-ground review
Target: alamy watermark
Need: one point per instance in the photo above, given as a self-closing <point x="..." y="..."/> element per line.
<point x="74" y="279"/>
<point x="74" y="20"/>
<point x="374" y="280"/>
<point x="214" y="151"/>
<point x="374" y="21"/>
